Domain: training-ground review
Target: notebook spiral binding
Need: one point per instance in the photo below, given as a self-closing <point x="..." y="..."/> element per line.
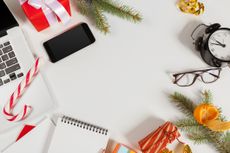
<point x="84" y="125"/>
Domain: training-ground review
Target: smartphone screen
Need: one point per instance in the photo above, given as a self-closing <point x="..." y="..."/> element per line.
<point x="69" y="42"/>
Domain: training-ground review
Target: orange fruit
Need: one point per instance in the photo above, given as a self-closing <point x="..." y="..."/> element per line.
<point x="205" y="112"/>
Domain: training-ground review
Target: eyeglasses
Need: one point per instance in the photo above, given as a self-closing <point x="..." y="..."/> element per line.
<point x="187" y="79"/>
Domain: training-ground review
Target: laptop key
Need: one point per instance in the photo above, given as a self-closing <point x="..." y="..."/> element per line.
<point x="1" y="83"/>
<point x="6" y="81"/>
<point x="2" y="73"/>
<point x="5" y="57"/>
<point x="1" y="46"/>
<point x="7" y="49"/>
<point x="12" y="68"/>
<point x="11" y="54"/>
<point x="20" y="75"/>
<point x="6" y="43"/>
<point x="1" y="52"/>
<point x="11" y="62"/>
<point x="0" y="60"/>
<point x="13" y="76"/>
<point x="2" y="66"/>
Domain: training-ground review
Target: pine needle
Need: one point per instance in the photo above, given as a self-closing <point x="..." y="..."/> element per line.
<point x="198" y="138"/>
<point x="188" y="125"/>
<point x="100" y="19"/>
<point x="216" y="138"/>
<point x="117" y="9"/>
<point x="227" y="137"/>
<point x="84" y="7"/>
<point x="207" y="96"/>
<point x="226" y="140"/>
<point x="183" y="103"/>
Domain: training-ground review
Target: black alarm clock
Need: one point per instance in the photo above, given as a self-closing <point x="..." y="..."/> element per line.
<point x="214" y="44"/>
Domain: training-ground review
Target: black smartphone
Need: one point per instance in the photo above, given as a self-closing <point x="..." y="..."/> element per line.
<point x="69" y="42"/>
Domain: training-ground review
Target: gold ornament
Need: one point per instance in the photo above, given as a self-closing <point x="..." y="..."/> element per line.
<point x="191" y="6"/>
<point x="187" y="149"/>
<point x="166" y="150"/>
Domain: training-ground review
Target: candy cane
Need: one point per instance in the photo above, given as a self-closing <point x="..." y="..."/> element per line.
<point x="9" y="107"/>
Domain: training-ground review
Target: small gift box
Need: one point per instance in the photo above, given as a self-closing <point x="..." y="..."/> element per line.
<point x="120" y="148"/>
<point x="43" y="13"/>
<point x="157" y="141"/>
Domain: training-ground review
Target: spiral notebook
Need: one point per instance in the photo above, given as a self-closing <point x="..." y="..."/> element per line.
<point x="75" y="136"/>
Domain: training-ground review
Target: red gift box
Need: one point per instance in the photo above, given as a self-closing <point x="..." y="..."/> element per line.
<point x="157" y="140"/>
<point x="37" y="16"/>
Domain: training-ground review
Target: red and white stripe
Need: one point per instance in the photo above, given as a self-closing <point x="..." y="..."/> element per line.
<point x="8" y="110"/>
<point x="156" y="141"/>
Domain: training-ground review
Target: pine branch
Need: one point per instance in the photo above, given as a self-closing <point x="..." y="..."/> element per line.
<point x="94" y="10"/>
<point x="198" y="138"/>
<point x="216" y="138"/>
<point x="207" y="96"/>
<point x="221" y="117"/>
<point x="204" y="135"/>
<point x="120" y="10"/>
<point x="94" y="13"/>
<point x="100" y="19"/>
<point x="200" y="133"/>
<point x="227" y="137"/>
<point x="183" y="103"/>
<point x="188" y="125"/>
<point x="84" y="7"/>
<point x="226" y="140"/>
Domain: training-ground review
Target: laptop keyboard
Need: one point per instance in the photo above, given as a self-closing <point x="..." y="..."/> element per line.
<point x="9" y="66"/>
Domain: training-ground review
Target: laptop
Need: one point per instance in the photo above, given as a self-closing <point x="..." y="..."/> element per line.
<point x="15" y="56"/>
<point x="16" y="59"/>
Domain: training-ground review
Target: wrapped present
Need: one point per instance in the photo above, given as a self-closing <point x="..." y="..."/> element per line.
<point x="43" y="13"/>
<point x="157" y="140"/>
<point x="120" y="148"/>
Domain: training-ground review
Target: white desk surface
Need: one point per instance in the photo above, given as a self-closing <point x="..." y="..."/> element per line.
<point x="122" y="81"/>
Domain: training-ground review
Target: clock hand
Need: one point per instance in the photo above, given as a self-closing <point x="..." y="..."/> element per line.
<point x="218" y="44"/>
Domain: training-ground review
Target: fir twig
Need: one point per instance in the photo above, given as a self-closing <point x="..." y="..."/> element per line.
<point x="227" y="137"/>
<point x="183" y="103"/>
<point x="221" y="117"/>
<point x="198" y="138"/>
<point x="216" y="139"/>
<point x="84" y="7"/>
<point x="196" y="132"/>
<point x="122" y="11"/>
<point x="100" y="19"/>
<point x="227" y="141"/>
<point x="207" y="96"/>
<point x="94" y="9"/>
<point x="188" y="125"/>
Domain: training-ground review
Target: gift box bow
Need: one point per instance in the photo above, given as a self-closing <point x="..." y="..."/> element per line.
<point x="156" y="141"/>
<point x="51" y="8"/>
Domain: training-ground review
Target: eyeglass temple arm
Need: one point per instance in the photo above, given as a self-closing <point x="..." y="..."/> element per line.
<point x="196" y="30"/>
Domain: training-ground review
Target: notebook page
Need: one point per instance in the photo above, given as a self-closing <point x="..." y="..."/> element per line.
<point x="39" y="138"/>
<point x="70" y="138"/>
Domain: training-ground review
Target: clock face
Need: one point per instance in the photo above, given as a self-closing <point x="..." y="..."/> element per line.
<point x="219" y="44"/>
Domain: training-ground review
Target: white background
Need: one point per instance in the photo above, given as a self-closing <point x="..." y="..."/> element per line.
<point x="123" y="80"/>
